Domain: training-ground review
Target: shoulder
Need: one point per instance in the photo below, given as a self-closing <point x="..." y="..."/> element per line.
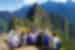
<point x="57" y="39"/>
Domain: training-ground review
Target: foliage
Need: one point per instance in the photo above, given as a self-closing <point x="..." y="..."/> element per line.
<point x="3" y="25"/>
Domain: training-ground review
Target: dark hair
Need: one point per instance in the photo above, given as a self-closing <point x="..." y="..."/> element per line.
<point x="54" y="34"/>
<point x="22" y="33"/>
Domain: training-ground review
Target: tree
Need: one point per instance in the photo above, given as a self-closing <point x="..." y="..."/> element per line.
<point x="13" y="22"/>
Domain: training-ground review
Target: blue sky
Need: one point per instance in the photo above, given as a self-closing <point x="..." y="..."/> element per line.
<point x="7" y="5"/>
<point x="12" y="5"/>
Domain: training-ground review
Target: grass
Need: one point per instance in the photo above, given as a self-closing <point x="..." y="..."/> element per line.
<point x="67" y="43"/>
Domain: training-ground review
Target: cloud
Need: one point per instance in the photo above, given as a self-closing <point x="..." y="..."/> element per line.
<point x="19" y="3"/>
<point x="59" y="1"/>
<point x="31" y="2"/>
<point x="73" y="0"/>
<point x="42" y="1"/>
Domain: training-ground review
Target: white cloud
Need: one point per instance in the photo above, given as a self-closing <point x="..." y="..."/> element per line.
<point x="19" y="3"/>
<point x="31" y="2"/>
<point x="59" y="1"/>
<point x="41" y="1"/>
<point x="73" y="0"/>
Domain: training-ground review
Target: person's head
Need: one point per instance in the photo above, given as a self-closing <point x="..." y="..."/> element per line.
<point x="54" y="34"/>
<point x="41" y="33"/>
<point x="28" y="31"/>
<point x="22" y="33"/>
<point x="13" y="28"/>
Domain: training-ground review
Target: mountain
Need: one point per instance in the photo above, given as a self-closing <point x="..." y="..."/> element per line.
<point x="67" y="10"/>
<point x="6" y="15"/>
<point x="22" y="12"/>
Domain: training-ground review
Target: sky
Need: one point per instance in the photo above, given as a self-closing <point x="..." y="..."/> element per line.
<point x="12" y="5"/>
<point x="61" y="1"/>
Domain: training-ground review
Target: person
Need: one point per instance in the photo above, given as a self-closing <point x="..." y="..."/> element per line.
<point x="13" y="39"/>
<point x="46" y="40"/>
<point x="25" y="39"/>
<point x="42" y="41"/>
<point x="57" y="43"/>
<point x="29" y="41"/>
<point x="32" y="36"/>
<point x="39" y="42"/>
<point x="21" y="39"/>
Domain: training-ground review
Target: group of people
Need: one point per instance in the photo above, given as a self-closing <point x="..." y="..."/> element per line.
<point x="39" y="39"/>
